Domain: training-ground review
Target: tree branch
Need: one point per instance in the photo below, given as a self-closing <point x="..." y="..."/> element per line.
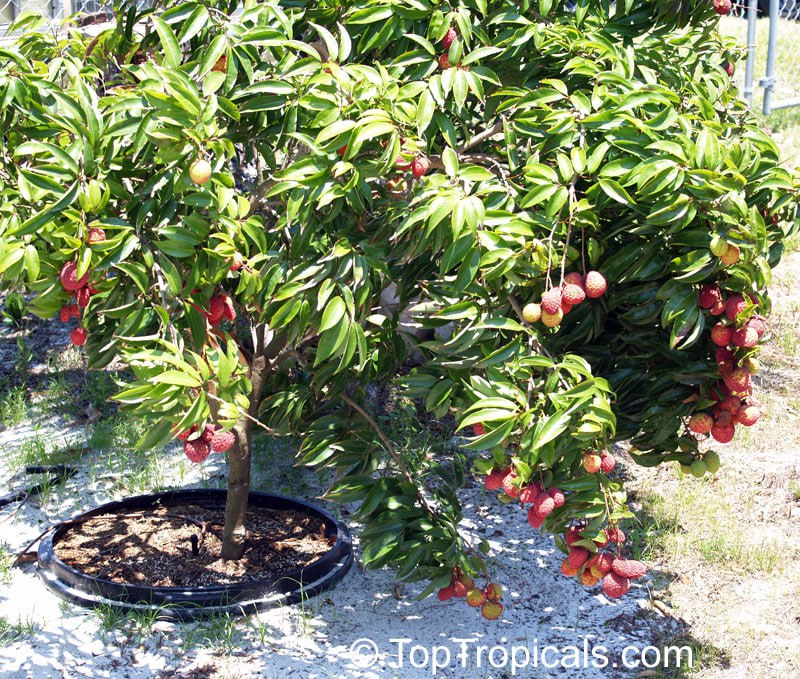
<point x="497" y="128"/>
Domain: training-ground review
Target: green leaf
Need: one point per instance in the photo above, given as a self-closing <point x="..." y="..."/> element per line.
<point x="172" y="51"/>
<point x="334" y="312"/>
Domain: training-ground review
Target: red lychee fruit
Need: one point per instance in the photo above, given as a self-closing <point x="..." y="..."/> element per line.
<point x="572" y="535"/>
<point x="223" y="441"/>
<point x="572" y="294"/>
<point x="445" y="593"/>
<point x="615" y="585"/>
<point x="718" y="309"/>
<point x="701" y="423"/>
<point x="558" y="496"/>
<point x="730" y="69"/>
<point x="738" y="381"/>
<point x="69" y="279"/>
<point x="628" y="568"/>
<point x="449" y="37"/>
<point x="95" y="235"/>
<point x="551" y="301"/>
<point x="494" y="592"/>
<point x="478" y="429"/>
<point x="565" y="308"/>
<point x="228" y="310"/>
<point x="508" y="485"/>
<point x="444" y="61"/>
<point x="595" y="284"/>
<point x="568" y="569"/>
<point x="534" y="519"/>
<point x="492" y="610"/>
<point x="543" y="505"/>
<point x="460" y="589"/>
<point x="722" y="7"/>
<point x="721" y="335"/>
<point x="748" y="415"/>
<point x="237" y="262"/>
<point x="208" y="433"/>
<point x="494" y="479"/>
<point x="69" y="311"/>
<point x="592" y="462"/>
<point x="476" y="598"/>
<point x="724" y="354"/>
<point x="709" y="295"/>
<point x="78" y="337"/>
<point x="731" y="255"/>
<point x="82" y="296"/>
<point x="197" y="450"/>
<point x="184" y="435"/>
<point x="420" y="165"/>
<point x="731" y="404"/>
<point x="722" y="418"/>
<point x="757" y="324"/>
<point x="577" y="556"/>
<point x="574" y="278"/>
<point x="589" y="579"/>
<point x="726" y="367"/>
<point x="527" y="494"/>
<point x="216" y="309"/>
<point x="601" y="562"/>
<point x="615" y="535"/>
<point x="735" y="305"/>
<point x="607" y="463"/>
<point x="723" y="433"/>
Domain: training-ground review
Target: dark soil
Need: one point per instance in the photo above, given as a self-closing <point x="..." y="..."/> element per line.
<point x="154" y="547"/>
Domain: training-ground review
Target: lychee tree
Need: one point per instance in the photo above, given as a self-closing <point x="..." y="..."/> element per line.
<point x="554" y="220"/>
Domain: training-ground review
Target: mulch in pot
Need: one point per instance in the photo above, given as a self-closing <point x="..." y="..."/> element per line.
<point x="179" y="546"/>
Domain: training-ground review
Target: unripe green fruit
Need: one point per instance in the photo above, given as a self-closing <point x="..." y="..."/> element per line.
<point x="751" y="365"/>
<point x="712" y="462"/>
<point x="532" y="312"/>
<point x="200" y="171"/>
<point x="685" y="470"/>
<point x="718" y="246"/>
<point x="699" y="469"/>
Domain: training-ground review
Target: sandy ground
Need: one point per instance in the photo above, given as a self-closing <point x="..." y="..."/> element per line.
<point x="314" y="639"/>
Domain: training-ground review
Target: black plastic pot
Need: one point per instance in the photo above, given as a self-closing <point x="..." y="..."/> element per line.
<point x="198" y="602"/>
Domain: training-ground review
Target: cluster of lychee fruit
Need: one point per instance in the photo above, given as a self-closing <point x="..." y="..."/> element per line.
<point x="559" y="300"/>
<point x="728" y="253"/>
<point x="591" y="564"/>
<point x="80" y="288"/>
<point x="602" y="461"/>
<point x="542" y="500"/>
<point x="199" y="443"/>
<point x="444" y="58"/>
<point x="220" y="308"/>
<point x="737" y="332"/>
<point x="463" y="587"/>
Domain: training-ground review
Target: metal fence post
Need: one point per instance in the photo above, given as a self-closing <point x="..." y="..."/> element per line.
<point x="750" y="64"/>
<point x="768" y="82"/>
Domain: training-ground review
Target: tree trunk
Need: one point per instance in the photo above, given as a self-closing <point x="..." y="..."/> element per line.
<point x="239" y="459"/>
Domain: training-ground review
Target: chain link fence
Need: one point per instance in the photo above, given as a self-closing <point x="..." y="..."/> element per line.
<point x="53" y="9"/>
<point x="782" y="80"/>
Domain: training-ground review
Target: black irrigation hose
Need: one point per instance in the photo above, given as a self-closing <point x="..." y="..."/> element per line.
<point x="60" y="473"/>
